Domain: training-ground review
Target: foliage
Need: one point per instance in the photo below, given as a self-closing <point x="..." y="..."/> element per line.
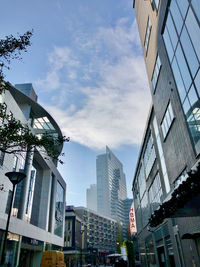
<point x="16" y="137"/>
<point x="119" y="238"/>
<point x="130" y="252"/>
<point x="11" y="48"/>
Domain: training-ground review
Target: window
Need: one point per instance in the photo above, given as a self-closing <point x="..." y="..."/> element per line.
<point x="156" y="73"/>
<point x="155" y="193"/>
<point x="147" y="36"/>
<point x="149" y="156"/>
<point x="145" y="210"/>
<point x="141" y="181"/>
<point x="161" y="155"/>
<point x="181" y="37"/>
<point x="156" y="3"/>
<point x="167" y="120"/>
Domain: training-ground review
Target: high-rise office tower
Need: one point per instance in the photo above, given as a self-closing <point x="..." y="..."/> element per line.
<point x="111" y="185"/>
<point x="91" y="197"/>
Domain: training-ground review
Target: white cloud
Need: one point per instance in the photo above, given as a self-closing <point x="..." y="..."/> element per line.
<point x="61" y="58"/>
<point x="116" y="106"/>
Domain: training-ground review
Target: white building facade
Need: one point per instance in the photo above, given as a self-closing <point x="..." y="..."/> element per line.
<point x="37" y="219"/>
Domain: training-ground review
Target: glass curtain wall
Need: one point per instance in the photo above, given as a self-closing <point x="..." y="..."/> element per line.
<point x="182" y="41"/>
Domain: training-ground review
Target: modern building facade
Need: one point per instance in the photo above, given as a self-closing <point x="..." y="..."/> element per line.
<point x="91" y="197"/>
<point x="111" y="185"/>
<point x="167" y="215"/>
<point x="37" y="220"/>
<point x="101" y="232"/>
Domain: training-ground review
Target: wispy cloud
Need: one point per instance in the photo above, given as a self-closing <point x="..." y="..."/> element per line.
<point x="110" y="98"/>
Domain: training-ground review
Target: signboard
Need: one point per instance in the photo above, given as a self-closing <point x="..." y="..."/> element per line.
<point x="132" y="225"/>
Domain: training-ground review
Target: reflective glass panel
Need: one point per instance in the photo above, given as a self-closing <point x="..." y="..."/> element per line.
<point x="145" y="210"/>
<point x="172" y="31"/>
<point x="148" y="32"/>
<point x="178" y="79"/>
<point x="183" y="67"/>
<point x="189" y="52"/>
<point x="168" y="45"/>
<point x="155" y="193"/>
<point x="192" y="95"/>
<point x="176" y="16"/>
<point x="197" y="82"/>
<point x="196" y="6"/>
<point x="194" y="31"/>
<point x="156" y="4"/>
<point x="186" y="105"/>
<point x="141" y="181"/>
<point x="183" y="6"/>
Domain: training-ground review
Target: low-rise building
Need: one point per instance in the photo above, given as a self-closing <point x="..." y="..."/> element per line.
<point x="75" y="243"/>
<point x="101" y="232"/>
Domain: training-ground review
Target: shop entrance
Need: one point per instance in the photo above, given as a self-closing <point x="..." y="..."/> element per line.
<point x="30" y="253"/>
<point x="161" y="257"/>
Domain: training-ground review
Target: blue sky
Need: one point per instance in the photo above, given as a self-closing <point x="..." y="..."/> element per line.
<point x="87" y="67"/>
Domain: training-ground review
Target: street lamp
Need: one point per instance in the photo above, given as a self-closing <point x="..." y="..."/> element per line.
<point x="82" y="231"/>
<point x="15" y="178"/>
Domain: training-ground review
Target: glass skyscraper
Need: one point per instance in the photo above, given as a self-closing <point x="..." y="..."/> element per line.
<point x="111" y="185"/>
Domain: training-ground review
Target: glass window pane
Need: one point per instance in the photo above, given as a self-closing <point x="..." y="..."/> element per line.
<point x="186" y="105"/>
<point x="183" y="67"/>
<point x="148" y="32"/>
<point x="189" y="52"/>
<point x="176" y="16"/>
<point x="196" y="6"/>
<point x="168" y="119"/>
<point x="172" y="32"/>
<point x="163" y="129"/>
<point x="197" y="82"/>
<point x="156" y="72"/>
<point x="158" y="62"/>
<point x="194" y="31"/>
<point x="192" y="96"/>
<point x="179" y="81"/>
<point x="171" y="112"/>
<point x="168" y="44"/>
<point x="183" y="5"/>
<point x="156" y="4"/>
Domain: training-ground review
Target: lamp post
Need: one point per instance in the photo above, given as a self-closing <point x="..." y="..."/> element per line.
<point x="82" y="231"/>
<point x="15" y="178"/>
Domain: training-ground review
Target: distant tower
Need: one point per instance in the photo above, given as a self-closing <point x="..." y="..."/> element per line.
<point x="91" y="197"/>
<point x="111" y="185"/>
